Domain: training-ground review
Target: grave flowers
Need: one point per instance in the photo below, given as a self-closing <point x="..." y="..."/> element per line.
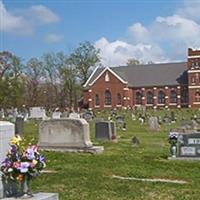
<point x="22" y="163"/>
<point x="173" y="138"/>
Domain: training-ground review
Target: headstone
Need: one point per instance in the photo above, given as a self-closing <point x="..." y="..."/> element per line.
<point x="7" y="131"/>
<point x="39" y="196"/>
<point x="173" y="119"/>
<point x="153" y="124"/>
<point x="189" y="124"/>
<point x="19" y="125"/>
<point x="65" y="114"/>
<point x="66" y="134"/>
<point x="189" y="145"/>
<point x="135" y="141"/>
<point x="74" y="115"/>
<point x="105" y="130"/>
<point x="37" y="113"/>
<point x="56" y="115"/>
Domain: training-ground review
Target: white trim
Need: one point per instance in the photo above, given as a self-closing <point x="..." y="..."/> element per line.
<point x="155" y="97"/>
<point x="149" y="104"/>
<point x="89" y="90"/>
<point x="166" y="106"/>
<point x="166" y="97"/>
<point x="196" y="103"/>
<point x="178" y="96"/>
<point x="172" y="104"/>
<point x="143" y="88"/>
<point x="97" y="106"/>
<point x="196" y="56"/>
<point x="118" y="105"/>
<point x="90" y="77"/>
<point x="193" y="71"/>
<point x="160" y="104"/>
<point x="124" y="98"/>
<point x="155" y="88"/>
<point x="166" y="87"/>
<point x="107" y="106"/>
<point x="128" y="98"/>
<point x="193" y="87"/>
<point x="89" y="99"/>
<point x="189" y="106"/>
<point x="111" y="71"/>
<point x="126" y="88"/>
<point x="178" y="87"/>
<point x="138" y="105"/>
<point x="178" y="106"/>
<point x="143" y="98"/>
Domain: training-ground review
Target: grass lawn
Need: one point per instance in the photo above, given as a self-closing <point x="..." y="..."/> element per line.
<point x="86" y="176"/>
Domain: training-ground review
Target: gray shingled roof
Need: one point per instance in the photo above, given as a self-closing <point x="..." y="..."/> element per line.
<point x="150" y="75"/>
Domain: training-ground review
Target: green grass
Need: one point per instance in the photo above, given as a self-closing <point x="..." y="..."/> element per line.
<point x="82" y="176"/>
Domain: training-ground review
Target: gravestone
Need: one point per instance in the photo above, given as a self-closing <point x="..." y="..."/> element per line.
<point x="189" y="124"/>
<point x="7" y="131"/>
<point x="135" y="141"/>
<point x="74" y="115"/>
<point x="65" y="114"/>
<point x="173" y="118"/>
<point x="189" y="145"/>
<point x="37" y="113"/>
<point x="56" y="115"/>
<point x="19" y="125"/>
<point x="66" y="134"/>
<point x="153" y="124"/>
<point x="105" y="130"/>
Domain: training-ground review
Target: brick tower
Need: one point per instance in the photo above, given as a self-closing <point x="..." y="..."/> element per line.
<point x="194" y="77"/>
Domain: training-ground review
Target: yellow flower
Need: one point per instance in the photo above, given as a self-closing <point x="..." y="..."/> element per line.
<point x="16" y="140"/>
<point x="34" y="162"/>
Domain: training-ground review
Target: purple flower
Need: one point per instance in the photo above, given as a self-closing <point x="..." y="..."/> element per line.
<point x="7" y="163"/>
<point x="24" y="167"/>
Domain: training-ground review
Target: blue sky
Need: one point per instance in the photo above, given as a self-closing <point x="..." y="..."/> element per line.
<point x="148" y="30"/>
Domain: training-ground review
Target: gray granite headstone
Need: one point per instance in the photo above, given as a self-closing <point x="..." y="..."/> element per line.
<point x="105" y="130"/>
<point x="19" y="125"/>
<point x="7" y="131"/>
<point x="189" y="145"/>
<point x="153" y="124"/>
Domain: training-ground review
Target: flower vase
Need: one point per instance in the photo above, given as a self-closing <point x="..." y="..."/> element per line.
<point x="26" y="187"/>
<point x="173" y="151"/>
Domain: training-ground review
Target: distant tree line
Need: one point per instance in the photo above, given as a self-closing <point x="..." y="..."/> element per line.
<point x="54" y="80"/>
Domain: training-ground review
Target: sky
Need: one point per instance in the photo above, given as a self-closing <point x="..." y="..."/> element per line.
<point x="146" y="30"/>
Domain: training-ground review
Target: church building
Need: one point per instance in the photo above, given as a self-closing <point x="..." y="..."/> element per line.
<point x="166" y="85"/>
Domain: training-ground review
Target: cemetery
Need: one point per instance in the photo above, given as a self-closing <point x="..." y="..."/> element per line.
<point x="140" y="164"/>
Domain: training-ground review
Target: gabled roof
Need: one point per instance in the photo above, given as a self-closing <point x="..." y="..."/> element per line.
<point x="164" y="74"/>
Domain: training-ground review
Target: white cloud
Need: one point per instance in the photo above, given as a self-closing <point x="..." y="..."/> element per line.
<point x="25" y="22"/>
<point x="190" y="10"/>
<point x="118" y="52"/>
<point x="166" y="39"/>
<point x="43" y="14"/>
<point x="53" y="38"/>
<point x="12" y="23"/>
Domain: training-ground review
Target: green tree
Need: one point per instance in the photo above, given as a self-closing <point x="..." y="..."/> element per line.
<point x="133" y="61"/>
<point x="84" y="58"/>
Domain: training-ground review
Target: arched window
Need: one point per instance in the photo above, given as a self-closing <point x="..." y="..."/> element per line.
<point x="149" y="97"/>
<point x="161" y="97"/>
<point x="119" y="99"/>
<point x="173" y="97"/>
<point x="197" y="96"/>
<point x="108" y="98"/>
<point x="184" y="95"/>
<point x="97" y="100"/>
<point x="138" y="98"/>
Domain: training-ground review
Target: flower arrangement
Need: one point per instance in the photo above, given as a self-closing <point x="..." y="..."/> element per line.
<point x="22" y="161"/>
<point x="173" y="138"/>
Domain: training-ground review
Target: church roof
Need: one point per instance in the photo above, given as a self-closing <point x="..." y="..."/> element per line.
<point x="164" y="74"/>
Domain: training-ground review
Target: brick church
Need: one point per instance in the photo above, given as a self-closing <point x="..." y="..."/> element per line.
<point x="153" y="85"/>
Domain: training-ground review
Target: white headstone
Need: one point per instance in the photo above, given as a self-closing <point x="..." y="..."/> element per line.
<point x="37" y="113"/>
<point x="56" y="115"/>
<point x="66" y="134"/>
<point x="7" y="131"/>
<point x="74" y="115"/>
